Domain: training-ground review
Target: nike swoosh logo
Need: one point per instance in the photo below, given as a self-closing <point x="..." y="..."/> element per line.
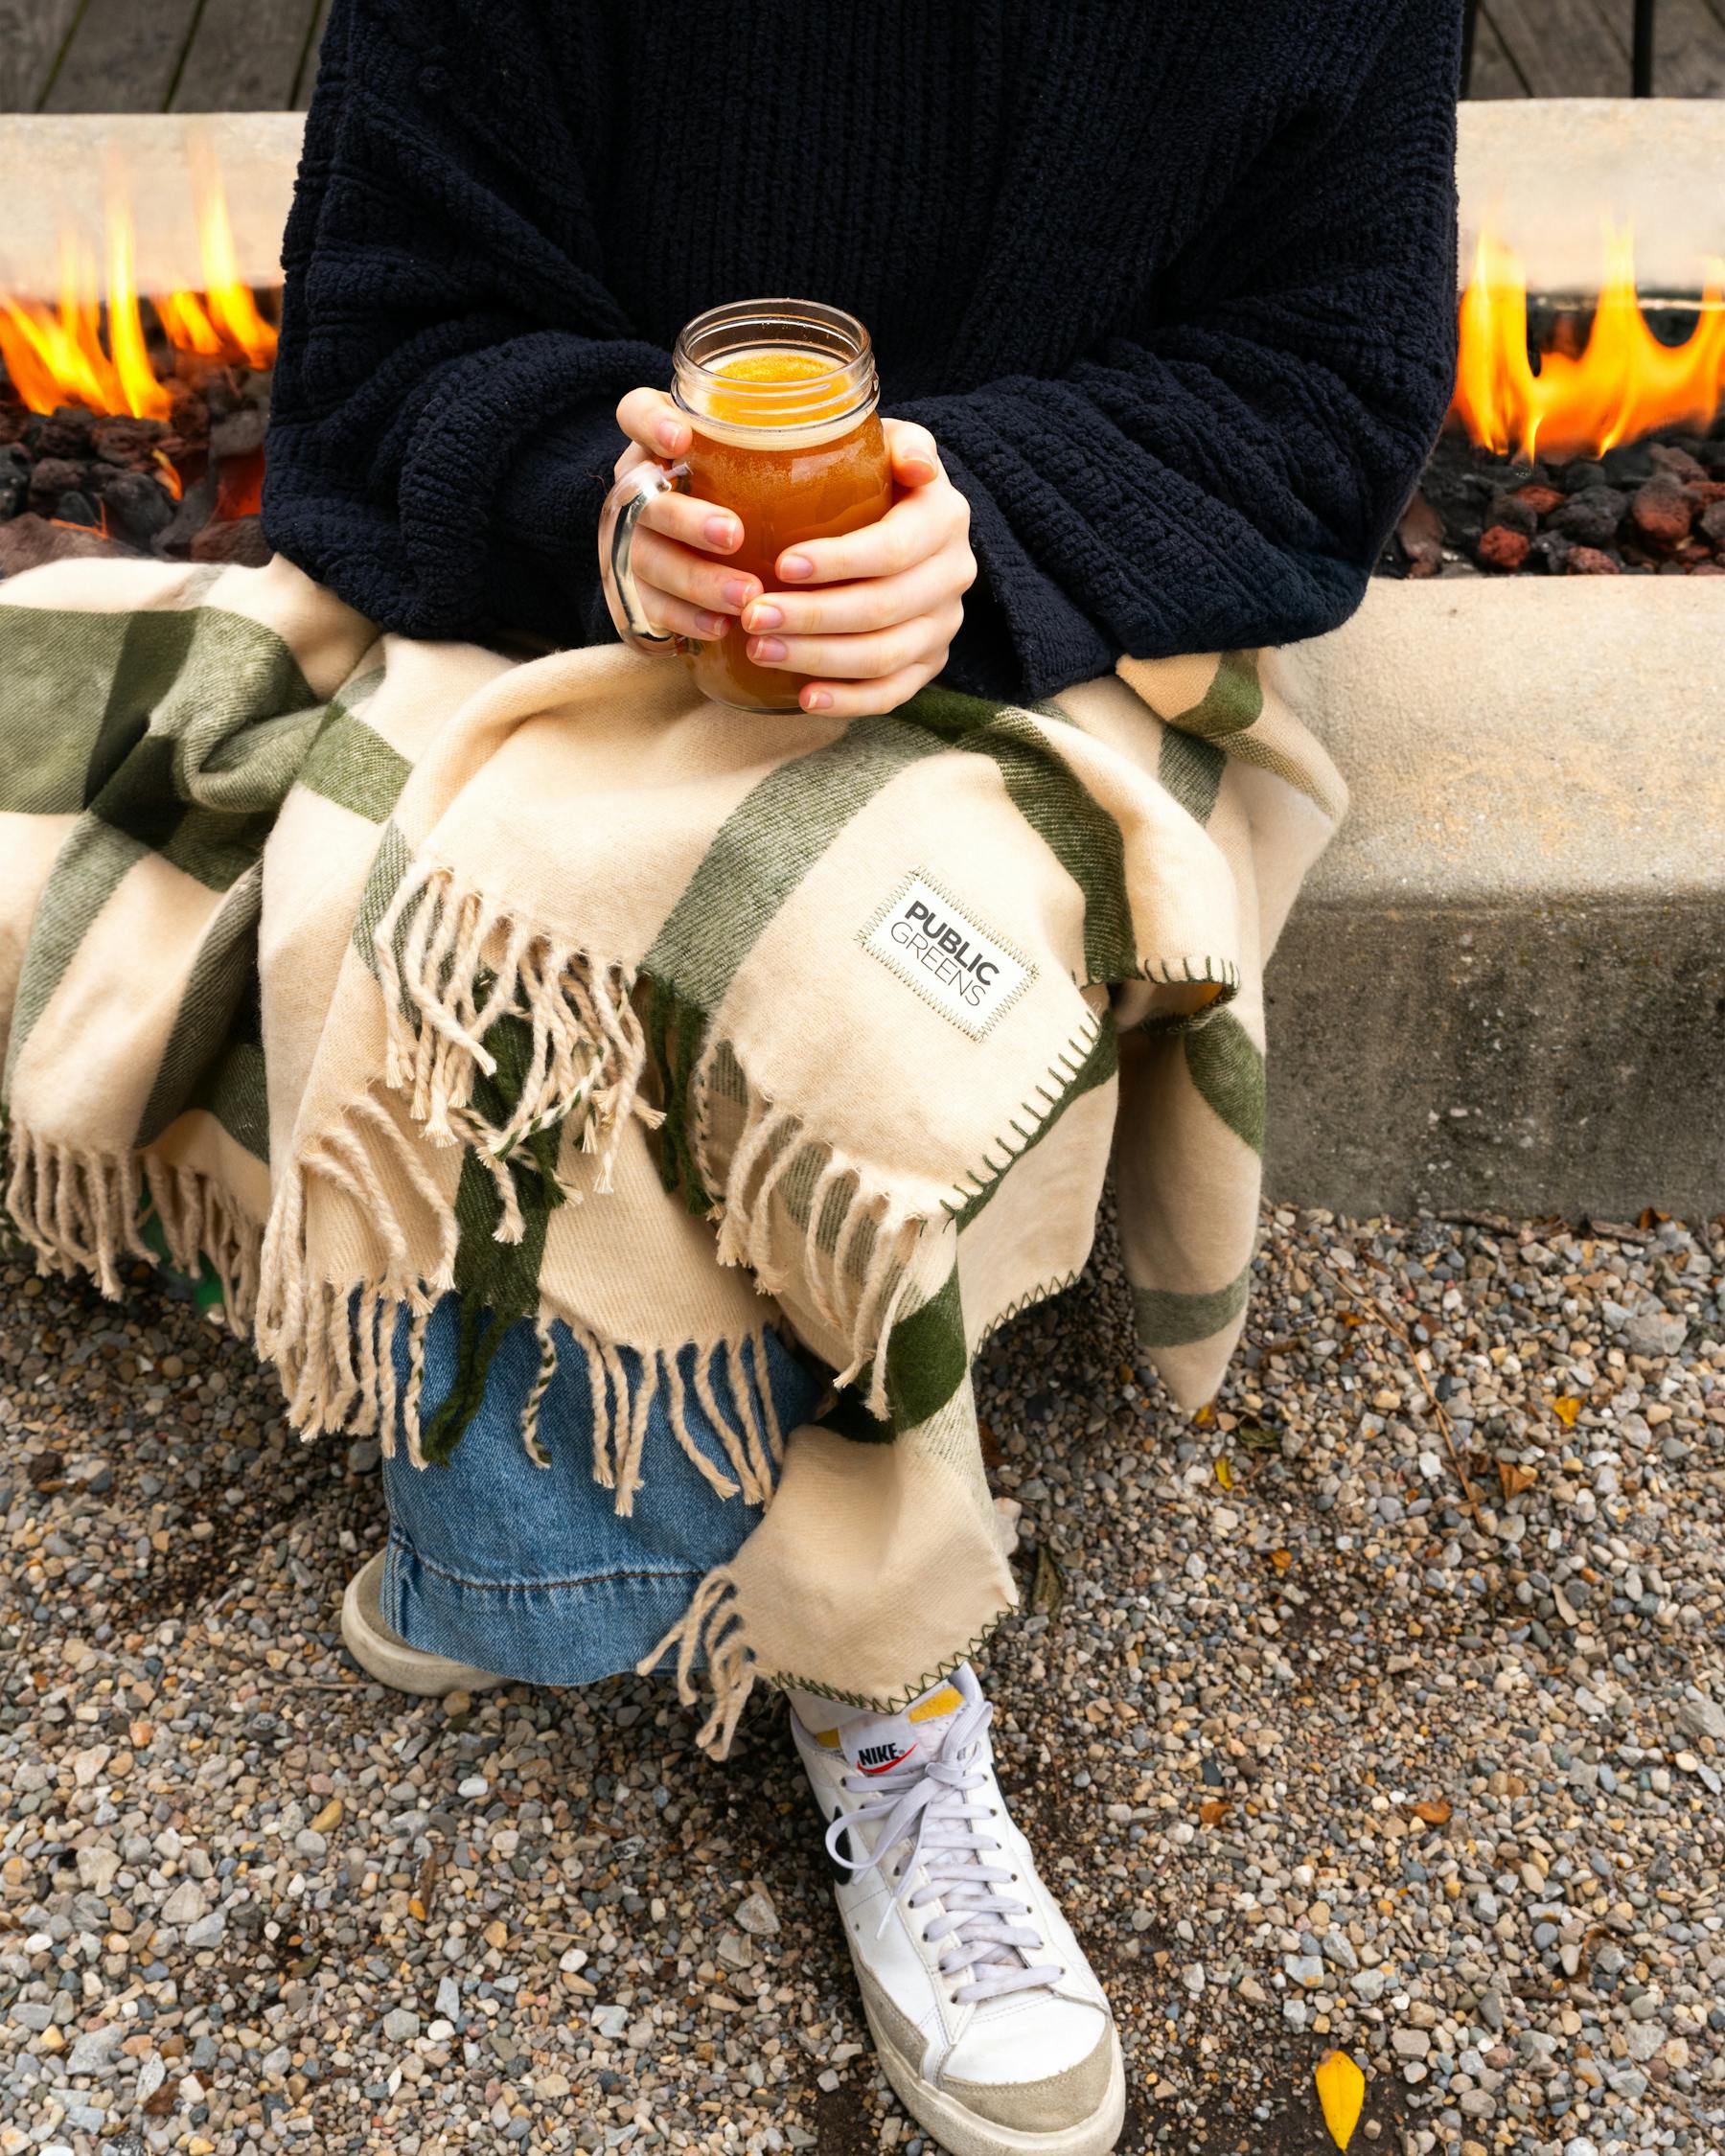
<point x="886" y="1766"/>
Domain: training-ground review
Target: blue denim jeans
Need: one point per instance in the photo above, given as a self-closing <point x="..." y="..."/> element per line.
<point x="528" y="1570"/>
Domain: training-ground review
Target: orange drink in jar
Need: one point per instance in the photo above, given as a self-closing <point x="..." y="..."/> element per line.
<point x="781" y="396"/>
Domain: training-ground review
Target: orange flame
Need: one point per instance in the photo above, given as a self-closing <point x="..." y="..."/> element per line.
<point x="1621" y="383"/>
<point x="230" y="309"/>
<point x="57" y="354"/>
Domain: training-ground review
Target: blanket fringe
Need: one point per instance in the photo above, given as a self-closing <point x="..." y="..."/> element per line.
<point x="713" y="1624"/>
<point x="855" y="1262"/>
<point x="331" y="1343"/>
<point x="748" y="1431"/>
<point x="82" y="1211"/>
<point x="452" y="966"/>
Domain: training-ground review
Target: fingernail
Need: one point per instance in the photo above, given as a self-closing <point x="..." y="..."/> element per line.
<point x="739" y="591"/>
<point x="918" y="471"/>
<point x="722" y="531"/>
<point x="816" y="700"/>
<point x="670" y="433"/>
<point x="768" y="650"/>
<point x="764" y="616"/>
<point x="796" y="566"/>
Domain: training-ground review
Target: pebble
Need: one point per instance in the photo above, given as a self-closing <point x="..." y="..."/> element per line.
<point x="757" y="1915"/>
<point x="1216" y="1742"/>
<point x="185" y="1905"/>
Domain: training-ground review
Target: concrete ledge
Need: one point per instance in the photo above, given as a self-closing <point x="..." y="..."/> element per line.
<point x="1505" y="985"/>
<point x="1546" y="171"/>
<point x="55" y="172"/>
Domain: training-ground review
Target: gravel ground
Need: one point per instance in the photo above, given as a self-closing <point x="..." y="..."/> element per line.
<point x="1384" y="1710"/>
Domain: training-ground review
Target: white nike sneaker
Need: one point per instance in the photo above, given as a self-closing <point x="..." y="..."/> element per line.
<point x="382" y="1652"/>
<point x="987" y="2017"/>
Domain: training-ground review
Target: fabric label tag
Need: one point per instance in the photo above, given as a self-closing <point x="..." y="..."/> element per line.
<point x="969" y="975"/>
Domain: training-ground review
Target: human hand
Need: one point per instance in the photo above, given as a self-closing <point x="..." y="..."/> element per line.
<point x="685" y="585"/>
<point x="872" y="614"/>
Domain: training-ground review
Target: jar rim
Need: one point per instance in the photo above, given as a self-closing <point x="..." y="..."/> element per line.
<point x="793" y="322"/>
<point x="804" y="411"/>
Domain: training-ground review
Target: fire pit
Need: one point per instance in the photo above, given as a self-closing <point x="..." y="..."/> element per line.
<point x="1584" y="437"/>
<point x="1503" y="989"/>
<point x="132" y="413"/>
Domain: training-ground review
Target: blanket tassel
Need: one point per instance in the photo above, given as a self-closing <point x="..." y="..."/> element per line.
<point x="712" y="1624"/>
<point x="451" y="971"/>
<point x="854" y="1246"/>
<point x="84" y="1212"/>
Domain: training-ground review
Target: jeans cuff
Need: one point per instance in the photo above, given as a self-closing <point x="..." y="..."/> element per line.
<point x="559" y="1632"/>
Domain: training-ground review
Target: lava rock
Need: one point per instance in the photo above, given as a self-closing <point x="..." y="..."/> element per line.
<point x="1592" y="517"/>
<point x="1502" y="548"/>
<point x="29" y="541"/>
<point x="14" y="479"/>
<point x="1575" y="478"/>
<point x="1662" y="512"/>
<point x="126" y="441"/>
<point x="1549" y="552"/>
<point x="1421" y="533"/>
<point x="1541" y="497"/>
<point x="238" y="538"/>
<point x="78" y="508"/>
<point x="1629" y="464"/>
<point x="55" y="477"/>
<point x="138" y="503"/>
<point x="1512" y="513"/>
<point x="190" y="516"/>
<point x="1590" y="561"/>
<point x="1669" y="456"/>
<point x="239" y="433"/>
<point x="224" y="389"/>
<point x="65" y="432"/>
<point x="1712" y="523"/>
<point x="187" y="412"/>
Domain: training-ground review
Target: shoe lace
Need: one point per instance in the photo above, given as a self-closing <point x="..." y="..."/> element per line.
<point x="940" y="1807"/>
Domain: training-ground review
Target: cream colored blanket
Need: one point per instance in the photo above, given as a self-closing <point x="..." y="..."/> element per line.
<point x="367" y="971"/>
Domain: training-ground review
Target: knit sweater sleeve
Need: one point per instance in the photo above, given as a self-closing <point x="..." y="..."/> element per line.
<point x="442" y="429"/>
<point x="1225" y="476"/>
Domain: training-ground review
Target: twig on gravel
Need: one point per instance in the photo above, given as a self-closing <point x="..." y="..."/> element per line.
<point x="1395" y="1326"/>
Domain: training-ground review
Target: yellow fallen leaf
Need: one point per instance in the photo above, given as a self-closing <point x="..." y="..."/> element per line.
<point x="1224" y="1472"/>
<point x="1281" y="1559"/>
<point x="1515" y="1479"/>
<point x="1213" y="1811"/>
<point x="1206" y="1416"/>
<point x="1435" y="1813"/>
<point x="1342" y="2092"/>
<point x="1567" y="1410"/>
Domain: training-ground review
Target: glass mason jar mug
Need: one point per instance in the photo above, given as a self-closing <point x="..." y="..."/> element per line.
<point x="781" y="396"/>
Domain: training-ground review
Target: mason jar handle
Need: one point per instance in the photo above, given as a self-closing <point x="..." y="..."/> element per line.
<point x="618" y="522"/>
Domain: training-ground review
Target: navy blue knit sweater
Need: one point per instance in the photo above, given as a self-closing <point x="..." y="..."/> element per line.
<point x="1171" y="282"/>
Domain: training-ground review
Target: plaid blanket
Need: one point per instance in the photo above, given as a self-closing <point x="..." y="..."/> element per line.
<point x="360" y="971"/>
